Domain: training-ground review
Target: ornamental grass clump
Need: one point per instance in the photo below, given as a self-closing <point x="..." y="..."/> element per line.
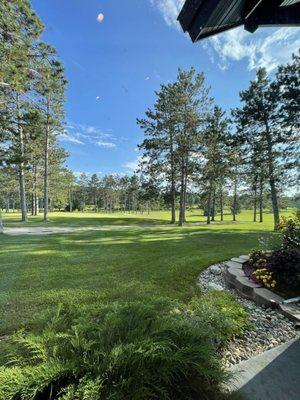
<point x="133" y="351"/>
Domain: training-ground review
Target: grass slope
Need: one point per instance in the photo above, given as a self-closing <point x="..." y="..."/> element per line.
<point x="138" y="260"/>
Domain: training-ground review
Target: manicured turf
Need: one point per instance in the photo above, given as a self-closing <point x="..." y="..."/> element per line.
<point x="139" y="259"/>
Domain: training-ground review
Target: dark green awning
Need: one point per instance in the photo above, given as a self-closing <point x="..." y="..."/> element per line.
<point x="203" y="18"/>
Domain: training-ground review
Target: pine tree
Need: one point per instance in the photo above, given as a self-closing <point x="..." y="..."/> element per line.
<point x="19" y="28"/>
<point x="192" y="103"/>
<point x="94" y="185"/>
<point x="50" y="85"/>
<point x="214" y="151"/>
<point x="261" y="116"/>
<point x="159" y="147"/>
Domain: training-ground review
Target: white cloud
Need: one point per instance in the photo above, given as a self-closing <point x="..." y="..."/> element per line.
<point x="169" y="9"/>
<point x="133" y="165"/>
<point x="67" y="137"/>
<point x="268" y="47"/>
<point x="107" y="145"/>
<point x="88" y="135"/>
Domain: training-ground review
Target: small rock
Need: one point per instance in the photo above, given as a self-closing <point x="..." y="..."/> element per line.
<point x="214" y="286"/>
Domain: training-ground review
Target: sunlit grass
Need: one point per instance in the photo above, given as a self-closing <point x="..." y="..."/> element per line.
<point x="86" y="219"/>
<point x="141" y="259"/>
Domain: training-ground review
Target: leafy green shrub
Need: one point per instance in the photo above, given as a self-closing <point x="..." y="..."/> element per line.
<point x="257" y="258"/>
<point x="290" y="229"/>
<point x="135" y="351"/>
<point x="222" y="313"/>
<point x="285" y="265"/>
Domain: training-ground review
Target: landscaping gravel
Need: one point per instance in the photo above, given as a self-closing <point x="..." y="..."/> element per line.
<point x="270" y="327"/>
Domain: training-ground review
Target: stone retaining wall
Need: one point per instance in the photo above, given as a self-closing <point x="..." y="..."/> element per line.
<point x="235" y="278"/>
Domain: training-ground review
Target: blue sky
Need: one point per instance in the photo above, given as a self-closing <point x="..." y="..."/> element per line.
<point x="114" y="67"/>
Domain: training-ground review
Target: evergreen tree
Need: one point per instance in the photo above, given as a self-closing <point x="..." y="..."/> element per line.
<point x="51" y="86"/>
<point x="214" y="151"/>
<point x="159" y="158"/>
<point x="19" y="28"/>
<point x="260" y="115"/>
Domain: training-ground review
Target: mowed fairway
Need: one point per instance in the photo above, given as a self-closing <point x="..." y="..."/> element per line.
<point x="133" y="256"/>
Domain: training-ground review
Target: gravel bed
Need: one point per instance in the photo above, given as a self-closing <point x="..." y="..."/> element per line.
<point x="270" y="327"/>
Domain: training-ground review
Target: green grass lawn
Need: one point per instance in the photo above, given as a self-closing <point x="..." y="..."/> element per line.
<point x="143" y="258"/>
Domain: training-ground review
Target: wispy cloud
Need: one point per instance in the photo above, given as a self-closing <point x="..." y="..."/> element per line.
<point x="133" y="165"/>
<point x="67" y="137"/>
<point x="85" y="134"/>
<point x="107" y="145"/>
<point x="266" y="48"/>
<point x="169" y="9"/>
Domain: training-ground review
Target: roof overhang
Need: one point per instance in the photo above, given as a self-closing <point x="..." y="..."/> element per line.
<point x="203" y="18"/>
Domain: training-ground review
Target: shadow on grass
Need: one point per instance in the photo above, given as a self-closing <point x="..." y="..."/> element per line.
<point x="37" y="272"/>
<point x="63" y="221"/>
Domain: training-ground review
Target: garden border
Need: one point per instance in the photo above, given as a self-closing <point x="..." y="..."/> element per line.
<point x="235" y="278"/>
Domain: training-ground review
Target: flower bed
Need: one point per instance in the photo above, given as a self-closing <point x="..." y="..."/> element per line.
<point x="278" y="271"/>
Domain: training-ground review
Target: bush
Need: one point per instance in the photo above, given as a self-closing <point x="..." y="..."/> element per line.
<point x="221" y="312"/>
<point x="290" y="229"/>
<point x="285" y="265"/>
<point x="136" y="351"/>
<point x="257" y="259"/>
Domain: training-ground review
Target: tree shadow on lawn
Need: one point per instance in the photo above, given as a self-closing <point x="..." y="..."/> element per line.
<point x="89" y="267"/>
<point x="74" y="221"/>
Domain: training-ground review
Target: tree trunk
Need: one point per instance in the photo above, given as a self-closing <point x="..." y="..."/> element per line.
<point x="221" y="204"/>
<point x="32" y="204"/>
<point x="184" y="193"/>
<point x="255" y="200"/>
<point x="70" y="201"/>
<point x="234" y="198"/>
<point x="208" y="206"/>
<point x="213" y="208"/>
<point x="36" y="200"/>
<point x="7" y="205"/>
<point x="173" y="204"/>
<point x="21" y="166"/>
<point x="1" y="221"/>
<point x="272" y="177"/>
<point x="46" y="167"/>
<point x="173" y="187"/>
<point x="181" y="200"/>
<point x="261" y="199"/>
<point x="95" y="201"/>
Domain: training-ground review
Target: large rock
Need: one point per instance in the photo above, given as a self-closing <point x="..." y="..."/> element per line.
<point x="215" y="270"/>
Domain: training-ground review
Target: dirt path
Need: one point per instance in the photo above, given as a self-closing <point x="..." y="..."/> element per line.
<point x="46" y="230"/>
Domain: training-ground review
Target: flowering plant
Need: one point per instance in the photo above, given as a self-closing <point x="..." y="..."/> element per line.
<point x="265" y="277"/>
<point x="257" y="259"/>
<point x="258" y="269"/>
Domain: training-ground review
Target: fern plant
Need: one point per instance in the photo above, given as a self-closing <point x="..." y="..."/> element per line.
<point x="123" y="351"/>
